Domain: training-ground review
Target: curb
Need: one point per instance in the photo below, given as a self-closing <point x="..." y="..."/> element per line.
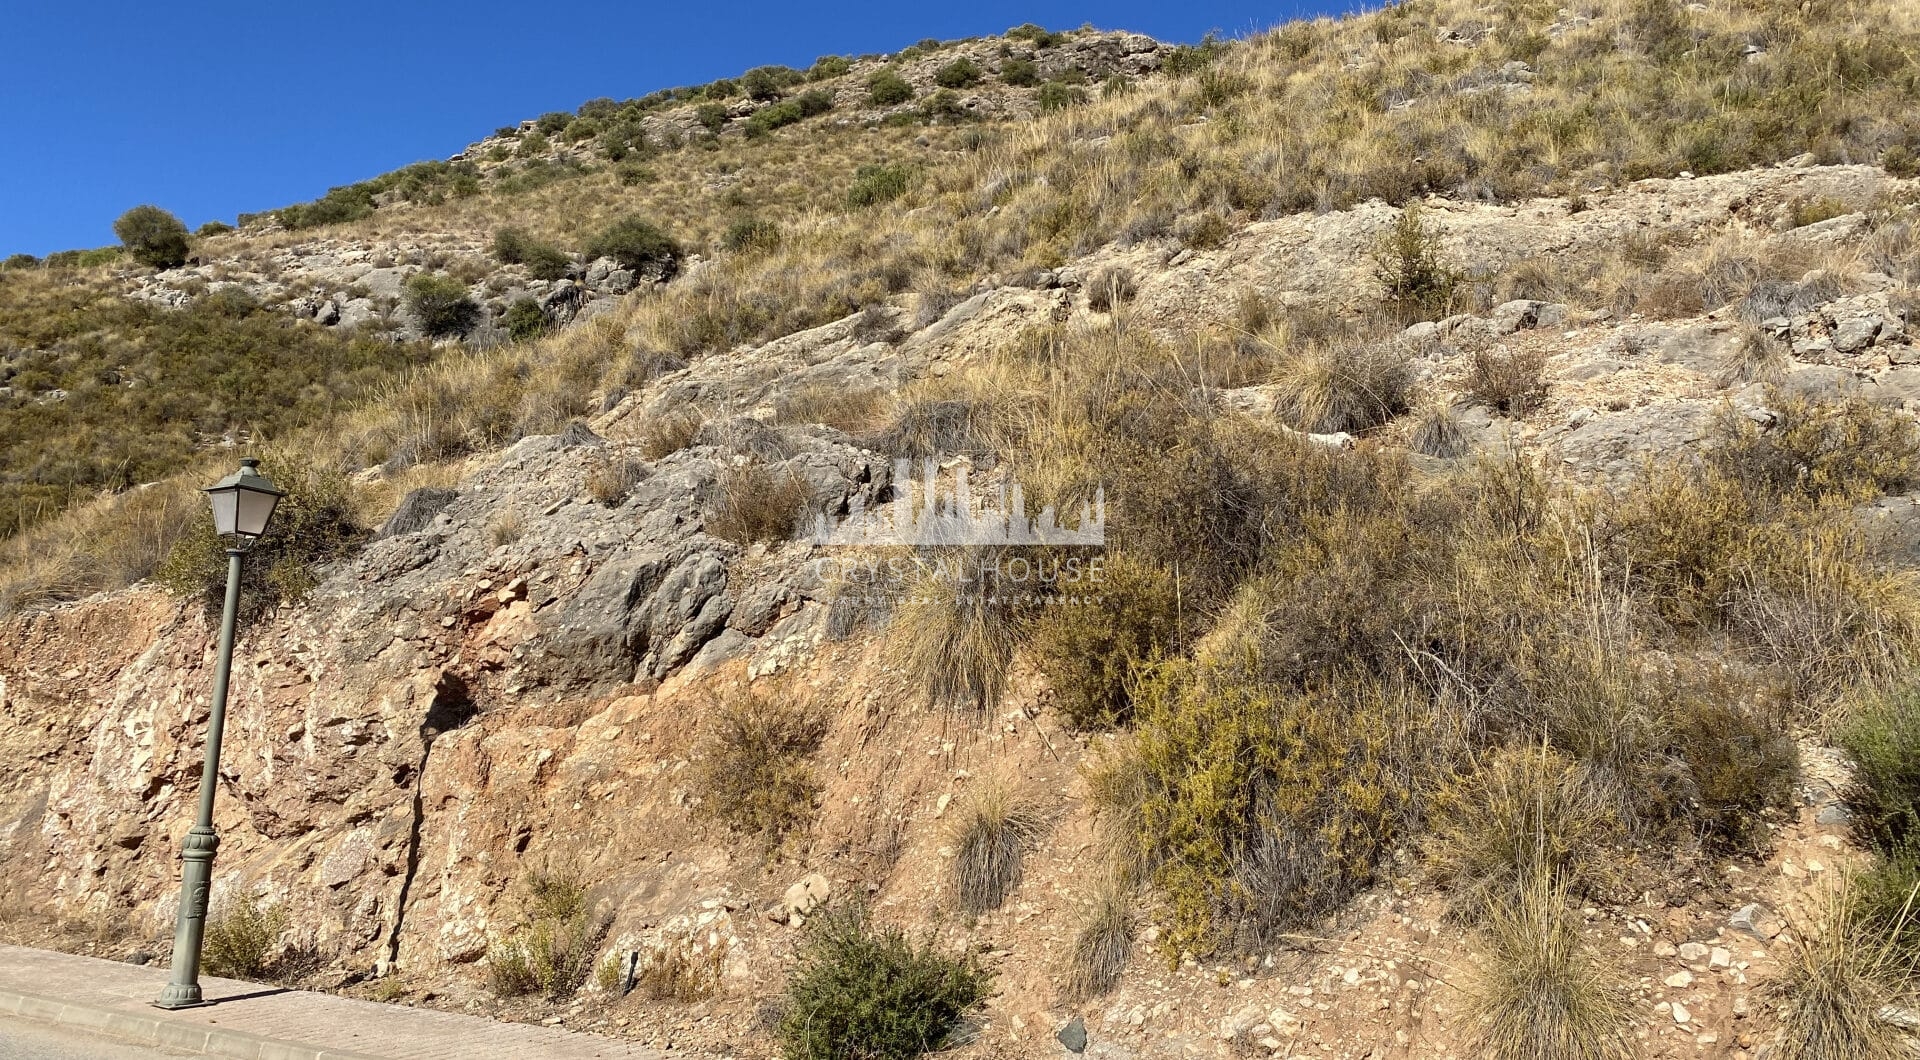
<point x="157" y="1030"/>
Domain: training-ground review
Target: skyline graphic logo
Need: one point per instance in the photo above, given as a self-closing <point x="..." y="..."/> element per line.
<point x="927" y="516"/>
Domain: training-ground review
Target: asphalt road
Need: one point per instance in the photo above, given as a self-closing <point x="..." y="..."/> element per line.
<point x="28" y="1040"/>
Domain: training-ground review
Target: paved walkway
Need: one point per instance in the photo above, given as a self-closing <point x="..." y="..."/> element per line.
<point x="253" y="1022"/>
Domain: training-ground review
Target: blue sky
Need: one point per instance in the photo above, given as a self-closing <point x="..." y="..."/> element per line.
<point x="209" y="109"/>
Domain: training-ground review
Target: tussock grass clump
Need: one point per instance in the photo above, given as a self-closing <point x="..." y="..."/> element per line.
<point x="852" y="411"/>
<point x="990" y="837"/>
<point x="753" y="771"/>
<point x="755" y="503"/>
<point x="957" y="629"/>
<point x="1526" y="814"/>
<point x="1337" y="387"/>
<point x="612" y="478"/>
<point x="550" y="952"/>
<point x="1511" y="382"/>
<point x="1100" y="946"/>
<point x="866" y="990"/>
<point x="1437" y="432"/>
<point x="1756" y="357"/>
<point x="1543" y="992"/>
<point x="1109" y="289"/>
<point x="1835" y="983"/>
<point x="670" y="433"/>
<point x="242" y="939"/>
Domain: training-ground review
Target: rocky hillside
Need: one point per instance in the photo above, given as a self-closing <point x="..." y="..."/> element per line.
<point x="1511" y="539"/>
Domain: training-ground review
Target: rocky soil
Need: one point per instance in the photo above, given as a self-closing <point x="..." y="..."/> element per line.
<point x="515" y="674"/>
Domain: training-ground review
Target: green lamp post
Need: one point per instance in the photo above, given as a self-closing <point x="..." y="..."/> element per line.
<point x="242" y="504"/>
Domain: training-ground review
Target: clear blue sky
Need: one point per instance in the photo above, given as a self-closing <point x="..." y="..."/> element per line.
<point x="209" y="109"/>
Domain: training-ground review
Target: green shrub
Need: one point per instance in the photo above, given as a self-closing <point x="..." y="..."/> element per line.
<point x="875" y="184"/>
<point x="764" y="83"/>
<point x="1416" y="282"/>
<point x="714" y="116"/>
<point x="787" y="112"/>
<point x="1740" y="766"/>
<point x="828" y="67"/>
<point x="19" y="261"/>
<point x="886" y="88"/>
<point x="1817" y="448"/>
<point x="751" y="233"/>
<point x="525" y="320"/>
<point x="1088" y="650"/>
<point x="637" y="245"/>
<point x="544" y="261"/>
<point x="241" y="939"/>
<point x="1020" y="73"/>
<point x="1055" y="96"/>
<point x="960" y="73"/>
<point x="441" y="305"/>
<point x="313" y="524"/>
<point x="213" y="228"/>
<point x="551" y="951"/>
<point x="1883" y="737"/>
<point x="633" y="174"/>
<point x="1885" y="898"/>
<point x="1038" y="37"/>
<point x="152" y="236"/>
<point x="553" y="123"/>
<point x="752" y="770"/>
<point x="868" y="991"/>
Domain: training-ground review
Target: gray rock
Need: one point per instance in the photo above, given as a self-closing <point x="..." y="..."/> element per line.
<point x="416" y="511"/>
<point x="619" y="281"/>
<point x="1073" y="1036"/>
<point x="1854" y="334"/>
<point x="328" y="313"/>
<point x="1509" y="317"/>
<point x="579" y="434"/>
<point x="1756" y="921"/>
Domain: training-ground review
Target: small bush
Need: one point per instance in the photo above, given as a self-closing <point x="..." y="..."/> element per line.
<point x="551" y="951"/>
<point x="1415" y="281"/>
<point x="1110" y="288"/>
<point x="1817" y="448"/>
<point x="990" y="837"/>
<point x="678" y="971"/>
<point x="755" y="503"/>
<point x="1325" y="388"/>
<point x="1812" y="211"/>
<point x="241" y="939"/>
<point x="1088" y="651"/>
<point x="1055" y="96"/>
<point x="670" y="434"/>
<point x="505" y="528"/>
<point x="960" y="73"/>
<point x="1020" y="73"/>
<point x="152" y="236"/>
<point x="1100" y="947"/>
<point x="866" y="991"/>
<point x="1740" y="765"/>
<point x="213" y="228"/>
<point x="633" y="174"/>
<point x="313" y="525"/>
<point x="525" y="320"/>
<point x="828" y="67"/>
<point x="751" y="233"/>
<point x="612" y="478"/>
<point x="511" y="246"/>
<point x="441" y="305"/>
<point x="1883" y="738"/>
<point x="886" y="88"/>
<point x="765" y="83"/>
<point x="638" y="245"/>
<point x="875" y="184"/>
<point x="1541" y="992"/>
<point x="752" y="772"/>
<point x="1511" y="382"/>
<point x="1834" y="982"/>
<point x="713" y="116"/>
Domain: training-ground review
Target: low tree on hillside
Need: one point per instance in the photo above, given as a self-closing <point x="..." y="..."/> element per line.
<point x="153" y="236"/>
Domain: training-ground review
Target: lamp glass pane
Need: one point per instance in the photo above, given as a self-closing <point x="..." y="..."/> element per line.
<point x="225" y="510"/>
<point x="255" y="509"/>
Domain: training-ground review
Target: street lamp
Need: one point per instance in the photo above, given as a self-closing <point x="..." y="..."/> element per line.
<point x="242" y="504"/>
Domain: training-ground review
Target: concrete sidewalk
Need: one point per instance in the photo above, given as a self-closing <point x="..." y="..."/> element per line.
<point x="254" y="1022"/>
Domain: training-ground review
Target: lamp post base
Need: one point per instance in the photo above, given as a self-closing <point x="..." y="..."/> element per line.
<point x="180" y="995"/>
